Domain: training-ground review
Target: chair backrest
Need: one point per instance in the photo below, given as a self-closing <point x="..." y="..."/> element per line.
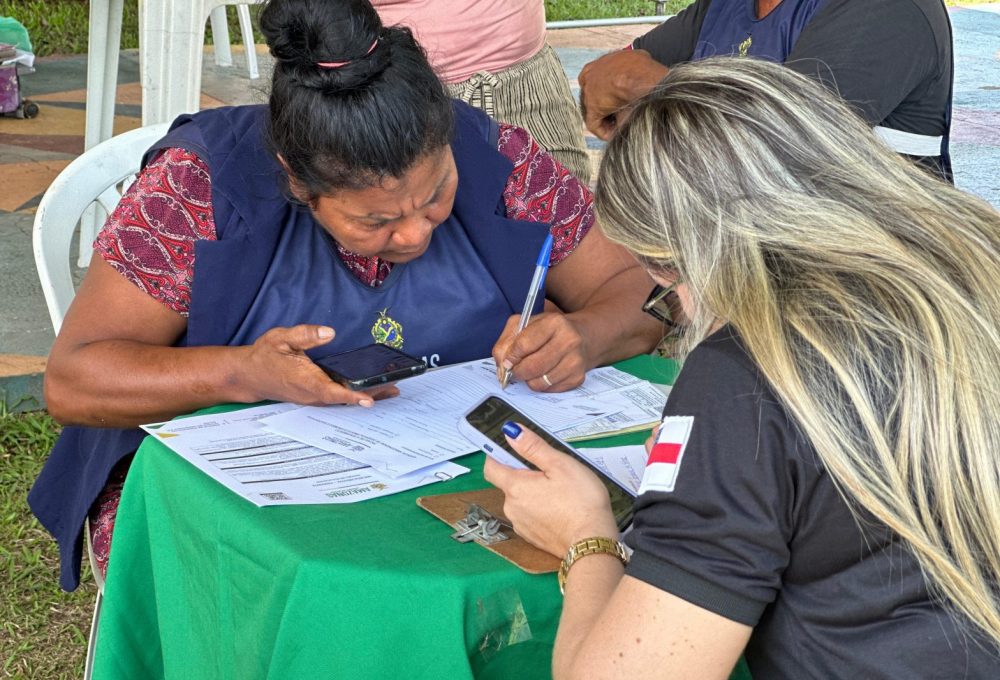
<point x="96" y="176"/>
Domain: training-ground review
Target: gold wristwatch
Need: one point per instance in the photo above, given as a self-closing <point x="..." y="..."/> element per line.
<point x="590" y="546"/>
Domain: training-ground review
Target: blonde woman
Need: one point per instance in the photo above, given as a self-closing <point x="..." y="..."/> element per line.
<point x="826" y="494"/>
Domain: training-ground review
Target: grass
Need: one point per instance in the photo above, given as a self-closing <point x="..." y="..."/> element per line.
<point x="43" y="631"/>
<point x="561" y="10"/>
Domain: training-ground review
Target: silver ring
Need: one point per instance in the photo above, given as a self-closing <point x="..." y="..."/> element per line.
<point x="545" y="377"/>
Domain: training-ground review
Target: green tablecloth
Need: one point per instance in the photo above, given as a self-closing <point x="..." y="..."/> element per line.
<point x="203" y="584"/>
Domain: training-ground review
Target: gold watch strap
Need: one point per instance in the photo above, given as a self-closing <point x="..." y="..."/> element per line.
<point x="596" y="545"/>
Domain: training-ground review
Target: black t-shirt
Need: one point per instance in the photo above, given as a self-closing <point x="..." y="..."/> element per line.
<point x="891" y="59"/>
<point x="755" y="531"/>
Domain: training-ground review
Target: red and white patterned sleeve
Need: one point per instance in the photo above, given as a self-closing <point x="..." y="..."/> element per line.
<point x="541" y="190"/>
<point x="149" y="238"/>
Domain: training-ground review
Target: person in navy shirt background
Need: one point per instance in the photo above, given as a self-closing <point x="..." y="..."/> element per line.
<point x="890" y="59"/>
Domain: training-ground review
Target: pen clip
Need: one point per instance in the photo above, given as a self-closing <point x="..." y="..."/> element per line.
<point x="545" y="254"/>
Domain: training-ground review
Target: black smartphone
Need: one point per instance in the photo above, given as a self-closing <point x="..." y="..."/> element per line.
<point x="370" y="366"/>
<point x="483" y="426"/>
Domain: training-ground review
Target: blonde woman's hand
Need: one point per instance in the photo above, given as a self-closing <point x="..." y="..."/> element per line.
<point x="277" y="368"/>
<point x="555" y="506"/>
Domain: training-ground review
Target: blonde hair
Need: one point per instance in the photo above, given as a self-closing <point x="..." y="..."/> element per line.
<point x="865" y="290"/>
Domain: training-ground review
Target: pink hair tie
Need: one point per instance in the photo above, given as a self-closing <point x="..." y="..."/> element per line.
<point x="338" y="64"/>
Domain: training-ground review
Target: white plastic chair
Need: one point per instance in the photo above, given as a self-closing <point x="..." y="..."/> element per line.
<point x="88" y="668"/>
<point x="171" y="46"/>
<point x="95" y="177"/>
<point x="100" y="175"/>
<point x="220" y="37"/>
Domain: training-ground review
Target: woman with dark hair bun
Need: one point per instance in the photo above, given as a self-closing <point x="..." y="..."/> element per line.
<point x="360" y="205"/>
<point x="352" y="102"/>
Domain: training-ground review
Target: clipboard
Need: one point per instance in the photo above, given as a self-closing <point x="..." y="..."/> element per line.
<point x="451" y="507"/>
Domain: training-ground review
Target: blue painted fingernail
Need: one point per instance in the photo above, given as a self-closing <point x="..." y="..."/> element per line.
<point x="512" y="430"/>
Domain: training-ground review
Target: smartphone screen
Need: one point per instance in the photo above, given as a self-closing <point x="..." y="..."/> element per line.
<point x="371" y="365"/>
<point x="489" y="417"/>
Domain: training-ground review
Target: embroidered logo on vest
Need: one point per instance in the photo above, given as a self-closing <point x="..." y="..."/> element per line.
<point x="745" y="46"/>
<point x="387" y="331"/>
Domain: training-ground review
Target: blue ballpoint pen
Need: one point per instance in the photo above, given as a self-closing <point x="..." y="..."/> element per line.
<point x="537" y="280"/>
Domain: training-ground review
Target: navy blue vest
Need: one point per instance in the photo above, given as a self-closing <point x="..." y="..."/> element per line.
<point x="273" y="265"/>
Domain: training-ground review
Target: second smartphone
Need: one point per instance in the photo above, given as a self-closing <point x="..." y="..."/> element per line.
<point x="370" y="366"/>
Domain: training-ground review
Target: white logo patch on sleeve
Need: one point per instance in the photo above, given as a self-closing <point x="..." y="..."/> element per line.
<point x="666" y="455"/>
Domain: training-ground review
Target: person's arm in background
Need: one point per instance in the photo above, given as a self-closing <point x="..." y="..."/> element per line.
<point x="877" y="54"/>
<point x="610" y="84"/>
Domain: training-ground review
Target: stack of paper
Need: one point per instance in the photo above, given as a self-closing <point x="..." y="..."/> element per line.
<point x="269" y="469"/>
<point x="285" y="454"/>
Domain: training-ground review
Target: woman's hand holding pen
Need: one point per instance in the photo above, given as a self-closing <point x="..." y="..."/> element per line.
<point x="550" y="354"/>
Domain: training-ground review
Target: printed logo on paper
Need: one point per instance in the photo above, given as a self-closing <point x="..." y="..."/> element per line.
<point x="665" y="458"/>
<point x="387" y="331"/>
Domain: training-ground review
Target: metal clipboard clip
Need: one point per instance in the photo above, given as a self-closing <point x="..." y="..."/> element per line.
<point x="480" y="525"/>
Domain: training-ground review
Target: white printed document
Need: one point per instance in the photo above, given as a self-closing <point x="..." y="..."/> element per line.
<point x="632" y="408"/>
<point x="236" y="450"/>
<point x="419" y="428"/>
<point x="624" y="464"/>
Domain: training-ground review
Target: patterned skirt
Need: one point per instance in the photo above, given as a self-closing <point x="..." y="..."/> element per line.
<point x="102" y="517"/>
<point x="534" y="95"/>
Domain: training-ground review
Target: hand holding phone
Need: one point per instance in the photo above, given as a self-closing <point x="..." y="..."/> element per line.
<point x="483" y="426"/>
<point x="276" y="367"/>
<point x="370" y="366"/>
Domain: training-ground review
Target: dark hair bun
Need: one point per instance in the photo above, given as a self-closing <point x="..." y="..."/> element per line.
<point x="302" y="34"/>
<point x="354" y="124"/>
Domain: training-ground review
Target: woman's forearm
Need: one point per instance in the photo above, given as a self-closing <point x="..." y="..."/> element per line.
<point x="124" y="383"/>
<point x="612" y="321"/>
<point x="589" y="587"/>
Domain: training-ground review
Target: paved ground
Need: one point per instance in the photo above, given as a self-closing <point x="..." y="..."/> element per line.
<point x="32" y="152"/>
